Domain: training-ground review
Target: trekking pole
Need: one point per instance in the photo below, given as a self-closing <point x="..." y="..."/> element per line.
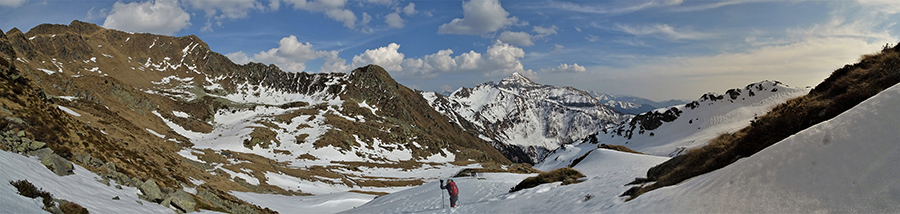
<point x="442" y="197"/>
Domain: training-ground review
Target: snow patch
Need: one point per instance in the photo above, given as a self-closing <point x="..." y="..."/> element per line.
<point x="68" y="110"/>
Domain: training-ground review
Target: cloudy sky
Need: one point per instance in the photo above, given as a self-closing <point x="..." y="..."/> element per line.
<point x="658" y="49"/>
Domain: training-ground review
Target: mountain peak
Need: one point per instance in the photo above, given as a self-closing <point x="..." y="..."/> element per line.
<point x="517" y="78"/>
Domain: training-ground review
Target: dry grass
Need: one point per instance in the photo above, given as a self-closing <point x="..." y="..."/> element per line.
<point x="566" y="175"/>
<point x="620" y="148"/>
<point x="844" y="89"/>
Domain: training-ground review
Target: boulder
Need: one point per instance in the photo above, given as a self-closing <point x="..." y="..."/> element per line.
<point x="182" y="200"/>
<point x="59" y="165"/>
<point x="151" y="191"/>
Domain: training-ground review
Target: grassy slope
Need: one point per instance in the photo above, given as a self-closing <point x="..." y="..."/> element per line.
<point x="844" y="89"/>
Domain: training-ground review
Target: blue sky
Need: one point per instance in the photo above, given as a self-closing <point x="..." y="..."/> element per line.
<point x="658" y="49"/>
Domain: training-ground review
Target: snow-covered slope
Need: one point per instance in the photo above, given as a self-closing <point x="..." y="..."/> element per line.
<point x="673" y="130"/>
<point x="519" y="112"/>
<point x="81" y="188"/>
<point x="847" y="164"/>
<point x="606" y="171"/>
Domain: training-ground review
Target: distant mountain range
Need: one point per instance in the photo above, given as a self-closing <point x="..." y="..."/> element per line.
<point x="631" y="104"/>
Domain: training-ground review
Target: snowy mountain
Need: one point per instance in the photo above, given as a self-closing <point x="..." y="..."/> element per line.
<point x="672" y="131"/>
<point x="140" y="107"/>
<point x="516" y="111"/>
<point x="631" y="104"/>
<point x="846" y="164"/>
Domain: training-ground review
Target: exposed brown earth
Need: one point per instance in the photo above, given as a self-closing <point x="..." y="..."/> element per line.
<point x="116" y="81"/>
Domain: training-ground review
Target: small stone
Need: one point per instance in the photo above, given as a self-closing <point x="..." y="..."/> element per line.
<point x="118" y="186"/>
<point x="139" y="202"/>
<point x="116" y="198"/>
<point x="21" y="134"/>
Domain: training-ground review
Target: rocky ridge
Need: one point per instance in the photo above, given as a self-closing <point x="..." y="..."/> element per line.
<point x="140" y="107"/>
<point x="524" y="119"/>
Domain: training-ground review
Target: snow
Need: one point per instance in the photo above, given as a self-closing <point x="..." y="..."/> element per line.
<point x="49" y="72"/>
<point x="181" y="114"/>
<point x="606" y="173"/>
<point x="846" y="164"/>
<point x="696" y="127"/>
<point x="81" y="188"/>
<point x="68" y="110"/>
<point x="326" y="203"/>
<point x="69" y="98"/>
<point x="154" y="133"/>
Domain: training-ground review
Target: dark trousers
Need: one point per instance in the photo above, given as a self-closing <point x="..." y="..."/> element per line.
<point x="453" y="200"/>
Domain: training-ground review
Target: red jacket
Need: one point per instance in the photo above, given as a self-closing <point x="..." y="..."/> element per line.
<point x="451" y="187"/>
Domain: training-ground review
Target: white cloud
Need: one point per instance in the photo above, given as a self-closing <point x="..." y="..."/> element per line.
<point x="381" y="2"/>
<point x="799" y="64"/>
<point x="292" y="55"/>
<point x="714" y="5"/>
<point x="621" y="7"/>
<point x="410" y="9"/>
<point x="387" y="57"/>
<point x="160" y="17"/>
<point x="366" y="18"/>
<point x="519" y="38"/>
<point x="91" y="15"/>
<point x="564" y="67"/>
<point x="219" y="10"/>
<point x="343" y="15"/>
<point x="885" y="6"/>
<point x="578" y="29"/>
<point x="232" y="9"/>
<point x="334" y="9"/>
<point x="394" y="20"/>
<point x="557" y="48"/>
<point x="592" y="38"/>
<point x="500" y="59"/>
<point x="662" y="31"/>
<point x="239" y="57"/>
<point x="12" y="3"/>
<point x="479" y="17"/>
<point x="542" y="32"/>
<point x="274" y="4"/>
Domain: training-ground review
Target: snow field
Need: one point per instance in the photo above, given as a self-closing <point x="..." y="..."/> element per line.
<point x="846" y="164"/>
<point x="606" y="173"/>
<point x="82" y="188"/>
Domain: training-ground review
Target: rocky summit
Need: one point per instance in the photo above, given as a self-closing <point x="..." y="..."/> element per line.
<point x="523" y="119"/>
<point x="166" y="113"/>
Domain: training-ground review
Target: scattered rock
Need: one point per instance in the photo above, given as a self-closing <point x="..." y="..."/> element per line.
<point x="59" y="165"/>
<point x="151" y="191"/>
<point x="182" y="200"/>
<point x="118" y="186"/>
<point x="116" y="198"/>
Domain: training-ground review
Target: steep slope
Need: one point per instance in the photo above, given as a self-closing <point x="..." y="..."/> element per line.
<point x="523" y="117"/>
<point x="846" y="164"/>
<point x="170" y="109"/>
<point x="843" y="90"/>
<point x="675" y="130"/>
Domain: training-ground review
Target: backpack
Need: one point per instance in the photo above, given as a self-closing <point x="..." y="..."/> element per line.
<point x="453" y="189"/>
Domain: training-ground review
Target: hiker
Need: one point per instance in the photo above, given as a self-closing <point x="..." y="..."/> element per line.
<point x="454" y="191"/>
